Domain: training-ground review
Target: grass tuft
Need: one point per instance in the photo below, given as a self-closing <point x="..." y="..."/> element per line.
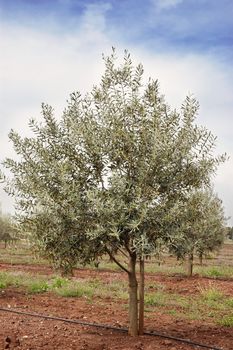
<point x="155" y="299"/>
<point x="76" y="290"/>
<point x="59" y="282"/>
<point x="37" y="286"/>
<point x="211" y="294"/>
<point x="227" y="321"/>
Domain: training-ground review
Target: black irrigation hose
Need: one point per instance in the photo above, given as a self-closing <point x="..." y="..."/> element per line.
<point x="97" y="325"/>
<point x="187" y="341"/>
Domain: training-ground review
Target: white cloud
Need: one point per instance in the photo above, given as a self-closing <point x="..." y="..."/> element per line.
<point x="211" y="83"/>
<point x="165" y="4"/>
<point x="38" y="66"/>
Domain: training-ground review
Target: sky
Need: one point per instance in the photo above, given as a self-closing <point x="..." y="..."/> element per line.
<point x="50" y="48"/>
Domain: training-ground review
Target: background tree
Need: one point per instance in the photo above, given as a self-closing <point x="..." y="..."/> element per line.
<point x="104" y="179"/>
<point x="8" y="231"/>
<point x="229" y="232"/>
<point x="200" y="227"/>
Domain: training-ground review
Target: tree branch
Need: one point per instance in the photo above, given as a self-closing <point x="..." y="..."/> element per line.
<point x="116" y="261"/>
<point x="122" y="252"/>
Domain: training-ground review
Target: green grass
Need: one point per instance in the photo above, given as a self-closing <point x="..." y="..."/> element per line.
<point x="63" y="286"/>
<point x="211" y="294"/>
<point x="155" y="299"/>
<point x="180" y="269"/>
<point x="227" y="321"/>
<point x="59" y="282"/>
<point x="36" y="286"/>
<point x="229" y="302"/>
<point x="215" y="271"/>
<point x="8" y="279"/>
<point x="210" y="304"/>
<point x="76" y="290"/>
<point x="20" y="253"/>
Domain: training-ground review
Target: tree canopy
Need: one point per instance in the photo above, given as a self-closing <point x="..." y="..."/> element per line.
<point x="200" y="227"/>
<point x="8" y="230"/>
<point x="104" y="178"/>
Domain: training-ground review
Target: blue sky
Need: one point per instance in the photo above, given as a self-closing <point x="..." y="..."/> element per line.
<point x="189" y="25"/>
<point x="50" y="48"/>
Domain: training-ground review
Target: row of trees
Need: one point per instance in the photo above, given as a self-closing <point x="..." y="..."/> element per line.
<point x="118" y="174"/>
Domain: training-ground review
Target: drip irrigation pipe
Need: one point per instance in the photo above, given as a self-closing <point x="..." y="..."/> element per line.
<point x="98" y="325"/>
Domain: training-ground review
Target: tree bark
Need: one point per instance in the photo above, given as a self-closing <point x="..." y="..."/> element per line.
<point x="141" y="297"/>
<point x="190" y="265"/>
<point x="201" y="259"/>
<point x="133" y="297"/>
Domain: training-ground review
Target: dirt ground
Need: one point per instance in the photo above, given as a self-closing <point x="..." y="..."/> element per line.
<point x="28" y="333"/>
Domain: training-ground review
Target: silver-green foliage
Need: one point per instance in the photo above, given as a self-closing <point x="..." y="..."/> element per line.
<point x="105" y="177"/>
<point x="200" y="226"/>
<point x="8" y="231"/>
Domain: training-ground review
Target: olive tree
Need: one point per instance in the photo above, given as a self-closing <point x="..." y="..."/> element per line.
<point x="7" y="229"/>
<point x="200" y="228"/>
<point x="229" y="232"/>
<point x="104" y="178"/>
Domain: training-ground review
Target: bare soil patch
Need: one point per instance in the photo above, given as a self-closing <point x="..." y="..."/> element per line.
<point x="28" y="333"/>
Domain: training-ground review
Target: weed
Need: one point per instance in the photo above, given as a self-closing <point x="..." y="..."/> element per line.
<point x="76" y="290"/>
<point x="3" y="281"/>
<point x="229" y="302"/>
<point x="211" y="294"/>
<point x="227" y="321"/>
<point x="95" y="283"/>
<point x="59" y="282"/>
<point x="7" y="279"/>
<point x="3" y="284"/>
<point x="216" y="271"/>
<point x="37" y="286"/>
<point x="172" y="312"/>
<point x="155" y="299"/>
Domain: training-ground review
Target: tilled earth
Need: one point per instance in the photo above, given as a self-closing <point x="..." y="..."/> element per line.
<point x="30" y="333"/>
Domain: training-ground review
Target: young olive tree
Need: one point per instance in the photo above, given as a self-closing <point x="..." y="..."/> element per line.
<point x="8" y="230"/>
<point x="229" y="232"/>
<point x="104" y="178"/>
<point x="201" y="227"/>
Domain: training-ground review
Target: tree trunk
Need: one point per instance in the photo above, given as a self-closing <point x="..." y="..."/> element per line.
<point x="141" y="297"/>
<point x="201" y="259"/>
<point x="190" y="265"/>
<point x="133" y="297"/>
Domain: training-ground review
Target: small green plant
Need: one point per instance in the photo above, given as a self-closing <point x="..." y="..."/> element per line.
<point x="59" y="282"/>
<point x="214" y="272"/>
<point x="172" y="312"/>
<point x="155" y="299"/>
<point x="211" y="294"/>
<point x="3" y="281"/>
<point x="76" y="290"/>
<point x="69" y="291"/>
<point x="37" y="286"/>
<point x="7" y="279"/>
<point x="227" y="321"/>
<point x="95" y="283"/>
<point x="229" y="302"/>
<point x="3" y="284"/>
